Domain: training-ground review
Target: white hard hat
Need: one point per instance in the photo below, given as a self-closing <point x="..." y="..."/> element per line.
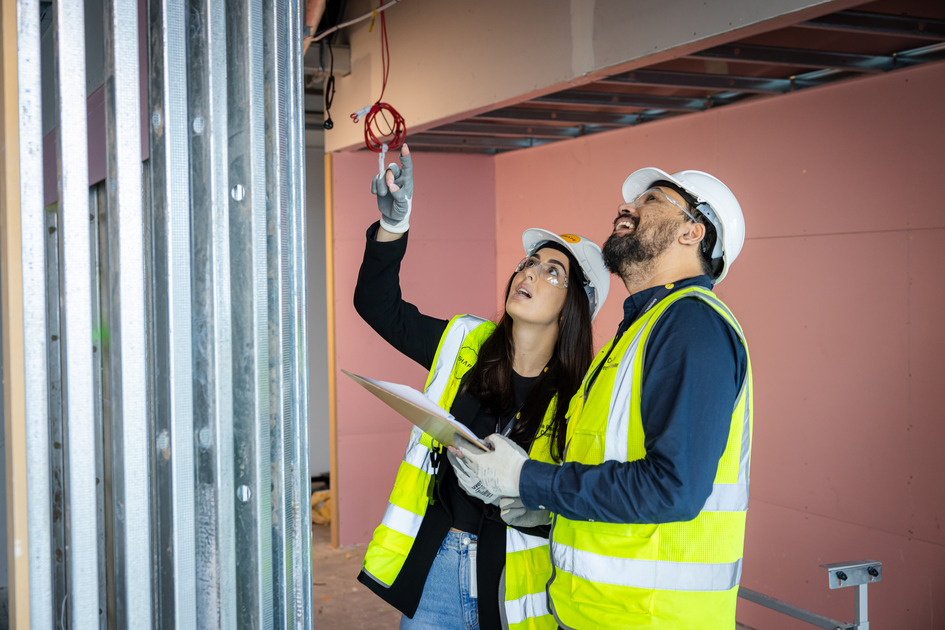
<point x="588" y="256"/>
<point x="713" y="199"/>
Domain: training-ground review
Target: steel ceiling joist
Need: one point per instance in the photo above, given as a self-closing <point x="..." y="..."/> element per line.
<point x="635" y="101"/>
<point x="428" y="139"/>
<point x="880" y="24"/>
<point x="546" y="117"/>
<point x="482" y="128"/>
<point x="695" y="80"/>
<point x="804" y="58"/>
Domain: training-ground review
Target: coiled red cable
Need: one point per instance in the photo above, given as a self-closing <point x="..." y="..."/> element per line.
<point x="375" y="137"/>
<point x="396" y="131"/>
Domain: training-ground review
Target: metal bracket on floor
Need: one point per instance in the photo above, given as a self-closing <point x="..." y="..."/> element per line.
<point x="860" y="574"/>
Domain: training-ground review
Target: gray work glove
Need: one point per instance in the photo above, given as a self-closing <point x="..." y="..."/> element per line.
<point x="499" y="469"/>
<point x="514" y="512"/>
<point x="394" y="190"/>
<point x="469" y="482"/>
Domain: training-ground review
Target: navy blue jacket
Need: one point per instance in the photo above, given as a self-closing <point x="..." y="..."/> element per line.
<point x="692" y="373"/>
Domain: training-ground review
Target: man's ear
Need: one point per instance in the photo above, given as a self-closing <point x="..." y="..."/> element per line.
<point x="693" y="235"/>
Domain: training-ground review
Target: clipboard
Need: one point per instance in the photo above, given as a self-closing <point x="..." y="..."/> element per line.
<point x="419" y="410"/>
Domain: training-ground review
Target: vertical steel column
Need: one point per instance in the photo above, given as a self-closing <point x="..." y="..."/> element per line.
<point x="32" y="239"/>
<point x="98" y="251"/>
<point x="251" y="402"/>
<point x="128" y="391"/>
<point x="173" y="480"/>
<point x="274" y="77"/>
<point x="56" y="422"/>
<point x="213" y="378"/>
<point x="81" y="450"/>
<point x="300" y="475"/>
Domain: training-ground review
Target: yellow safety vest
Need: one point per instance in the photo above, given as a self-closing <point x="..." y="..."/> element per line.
<point x="677" y="576"/>
<point x="527" y="561"/>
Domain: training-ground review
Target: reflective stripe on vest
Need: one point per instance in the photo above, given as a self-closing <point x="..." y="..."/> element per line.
<point x="516" y="540"/>
<point x="528" y="607"/>
<point x="662" y="575"/>
<point x="395" y="517"/>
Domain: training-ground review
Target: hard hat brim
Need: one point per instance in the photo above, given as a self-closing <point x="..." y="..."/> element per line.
<point x="643" y="179"/>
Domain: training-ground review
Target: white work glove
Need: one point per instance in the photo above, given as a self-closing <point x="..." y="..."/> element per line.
<point x="469" y="481"/>
<point x="498" y="469"/>
<point x="394" y="190"/>
<point x="514" y="512"/>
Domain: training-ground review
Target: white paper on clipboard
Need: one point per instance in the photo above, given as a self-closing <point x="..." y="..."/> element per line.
<point x="419" y="410"/>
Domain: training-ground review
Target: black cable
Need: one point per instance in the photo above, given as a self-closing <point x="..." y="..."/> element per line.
<point x="329" y="88"/>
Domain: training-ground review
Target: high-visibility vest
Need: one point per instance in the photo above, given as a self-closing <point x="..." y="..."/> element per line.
<point x="528" y="561"/>
<point x="679" y="575"/>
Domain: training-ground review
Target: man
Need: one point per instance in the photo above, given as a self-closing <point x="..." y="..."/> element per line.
<point x="649" y="503"/>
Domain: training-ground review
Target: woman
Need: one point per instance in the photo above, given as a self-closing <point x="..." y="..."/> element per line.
<point x="442" y="555"/>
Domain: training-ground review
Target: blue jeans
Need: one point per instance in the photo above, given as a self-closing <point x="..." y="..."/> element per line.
<point x="446" y="603"/>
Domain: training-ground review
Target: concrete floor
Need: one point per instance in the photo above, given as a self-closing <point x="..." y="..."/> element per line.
<point x="341" y="602"/>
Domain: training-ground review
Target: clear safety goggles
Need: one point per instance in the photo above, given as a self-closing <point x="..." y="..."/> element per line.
<point x="550" y="272"/>
<point x="655" y="196"/>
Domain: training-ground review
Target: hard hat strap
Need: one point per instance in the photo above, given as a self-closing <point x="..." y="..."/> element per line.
<point x="710" y="214"/>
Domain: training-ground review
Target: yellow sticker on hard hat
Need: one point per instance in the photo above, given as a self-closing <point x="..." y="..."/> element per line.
<point x="571" y="238"/>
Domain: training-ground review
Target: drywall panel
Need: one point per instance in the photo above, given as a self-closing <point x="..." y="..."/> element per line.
<point x="924" y="423"/>
<point x="784" y="551"/>
<point x="839" y="289"/>
<point x="449" y="58"/>
<point x="831" y="374"/>
<point x="449" y="269"/>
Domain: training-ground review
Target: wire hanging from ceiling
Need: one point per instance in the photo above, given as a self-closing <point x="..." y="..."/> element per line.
<point x="392" y="135"/>
<point x="329" y="31"/>
<point x="329" y="93"/>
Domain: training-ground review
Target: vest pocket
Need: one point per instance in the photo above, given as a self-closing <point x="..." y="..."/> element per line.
<point x="586" y="448"/>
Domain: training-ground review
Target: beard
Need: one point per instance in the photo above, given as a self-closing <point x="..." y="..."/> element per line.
<point x="633" y="252"/>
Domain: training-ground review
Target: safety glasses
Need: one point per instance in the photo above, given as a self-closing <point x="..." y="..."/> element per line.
<point x="550" y="272"/>
<point x="655" y="196"/>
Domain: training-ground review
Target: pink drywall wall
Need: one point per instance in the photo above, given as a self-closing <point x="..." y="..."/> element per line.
<point x="449" y="269"/>
<point x="840" y="290"/>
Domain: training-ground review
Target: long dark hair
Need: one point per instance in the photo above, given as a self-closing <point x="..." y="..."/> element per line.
<point x="490" y="379"/>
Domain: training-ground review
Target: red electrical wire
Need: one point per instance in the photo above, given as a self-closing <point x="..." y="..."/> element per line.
<point x="396" y="130"/>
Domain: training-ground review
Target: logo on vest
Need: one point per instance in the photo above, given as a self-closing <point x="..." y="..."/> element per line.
<point x="611" y="362"/>
<point x="466" y="358"/>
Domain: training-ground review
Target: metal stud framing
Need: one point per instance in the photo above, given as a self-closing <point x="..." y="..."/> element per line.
<point x="163" y="319"/>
